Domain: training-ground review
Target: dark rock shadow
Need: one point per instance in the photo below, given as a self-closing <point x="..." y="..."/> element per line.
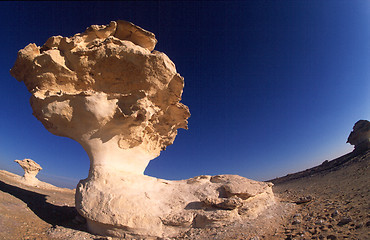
<point x="52" y="214"/>
<point x="194" y="205"/>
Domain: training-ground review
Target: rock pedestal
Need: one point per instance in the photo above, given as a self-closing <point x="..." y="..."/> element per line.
<point x="31" y="169"/>
<point x="110" y="91"/>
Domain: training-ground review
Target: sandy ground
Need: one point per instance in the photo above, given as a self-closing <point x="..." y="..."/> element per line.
<point x="340" y="205"/>
<point x="330" y="201"/>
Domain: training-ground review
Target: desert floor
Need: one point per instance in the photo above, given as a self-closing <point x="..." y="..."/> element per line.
<point x="330" y="201"/>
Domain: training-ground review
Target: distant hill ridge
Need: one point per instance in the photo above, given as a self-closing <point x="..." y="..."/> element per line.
<point x="326" y="166"/>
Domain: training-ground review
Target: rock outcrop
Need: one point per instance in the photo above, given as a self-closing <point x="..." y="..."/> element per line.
<point x="107" y="89"/>
<point x="31" y="169"/>
<point x="360" y="136"/>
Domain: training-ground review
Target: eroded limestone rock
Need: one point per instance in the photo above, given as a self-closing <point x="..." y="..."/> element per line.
<point x="360" y="136"/>
<point x="107" y="89"/>
<point x="31" y="169"/>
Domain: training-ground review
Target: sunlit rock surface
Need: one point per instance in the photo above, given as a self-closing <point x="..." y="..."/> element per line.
<point x="107" y="89"/>
<point x="31" y="169"/>
<point x="360" y="136"/>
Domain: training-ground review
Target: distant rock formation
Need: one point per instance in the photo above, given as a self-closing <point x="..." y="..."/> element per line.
<point x="107" y="89"/>
<point x="360" y="136"/>
<point x="31" y="169"/>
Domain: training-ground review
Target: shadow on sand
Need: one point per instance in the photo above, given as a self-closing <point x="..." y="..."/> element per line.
<point x="52" y="214"/>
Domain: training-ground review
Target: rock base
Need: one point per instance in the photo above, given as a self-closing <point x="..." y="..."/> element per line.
<point x="139" y="205"/>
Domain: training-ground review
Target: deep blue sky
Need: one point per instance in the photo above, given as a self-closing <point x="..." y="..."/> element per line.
<point x="273" y="86"/>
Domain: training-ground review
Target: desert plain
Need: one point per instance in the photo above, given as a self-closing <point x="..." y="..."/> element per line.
<point x="330" y="201"/>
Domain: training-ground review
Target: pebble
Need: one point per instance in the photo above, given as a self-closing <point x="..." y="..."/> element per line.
<point x="305" y="199"/>
<point x="344" y="221"/>
<point x="296" y="221"/>
<point x="331" y="237"/>
<point x="319" y="222"/>
<point x="335" y="213"/>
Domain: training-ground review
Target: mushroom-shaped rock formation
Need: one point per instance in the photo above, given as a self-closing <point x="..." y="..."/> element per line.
<point x="107" y="89"/>
<point x="31" y="169"/>
<point x="360" y="136"/>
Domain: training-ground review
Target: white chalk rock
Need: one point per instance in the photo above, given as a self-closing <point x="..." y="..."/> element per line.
<point x="107" y="89"/>
<point x="31" y="169"/>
